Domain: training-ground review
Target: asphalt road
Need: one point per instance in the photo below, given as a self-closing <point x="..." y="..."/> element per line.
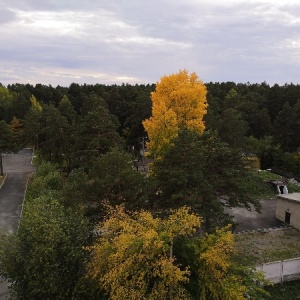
<point x="17" y="168"/>
<point x="252" y="220"/>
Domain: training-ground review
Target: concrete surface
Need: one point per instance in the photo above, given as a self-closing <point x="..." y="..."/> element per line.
<point x="17" y="168"/>
<point x="252" y="220"/>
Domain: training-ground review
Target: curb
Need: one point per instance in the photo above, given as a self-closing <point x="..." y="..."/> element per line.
<point x="5" y="175"/>
<point x="24" y="198"/>
<point x="264" y="230"/>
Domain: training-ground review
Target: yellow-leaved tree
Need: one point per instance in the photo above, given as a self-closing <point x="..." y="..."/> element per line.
<point x="219" y="276"/>
<point x="217" y="281"/>
<point x="178" y="102"/>
<point x="132" y="258"/>
<point x="35" y="103"/>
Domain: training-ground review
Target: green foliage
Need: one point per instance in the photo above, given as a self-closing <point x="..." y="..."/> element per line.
<point x="232" y="128"/>
<point x="286" y="128"/>
<point x="76" y="190"/>
<point x="56" y="135"/>
<point x="287" y="290"/>
<point x="7" y="142"/>
<point x="6" y="138"/>
<point x="44" y="259"/>
<point x="66" y="109"/>
<point x="111" y="179"/>
<point x="114" y="179"/>
<point x="6" y="98"/>
<point x="198" y="171"/>
<point x="97" y="135"/>
<point x="47" y="180"/>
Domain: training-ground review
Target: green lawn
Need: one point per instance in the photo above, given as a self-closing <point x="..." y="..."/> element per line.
<point x="262" y="247"/>
<point x="268" y="176"/>
<point x="286" y="291"/>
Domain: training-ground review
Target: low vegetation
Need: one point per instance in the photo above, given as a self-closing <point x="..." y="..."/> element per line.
<point x="292" y="185"/>
<point x="1" y="179"/>
<point x="266" y="246"/>
<point x="288" y="290"/>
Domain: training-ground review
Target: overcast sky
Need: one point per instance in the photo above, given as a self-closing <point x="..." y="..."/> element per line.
<point x="58" y="42"/>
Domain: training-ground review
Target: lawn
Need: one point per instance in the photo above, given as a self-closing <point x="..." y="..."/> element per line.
<point x="293" y="187"/>
<point x="288" y="290"/>
<point x="267" y="246"/>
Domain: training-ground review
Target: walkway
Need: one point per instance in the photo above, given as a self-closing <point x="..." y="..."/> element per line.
<point x="17" y="168"/>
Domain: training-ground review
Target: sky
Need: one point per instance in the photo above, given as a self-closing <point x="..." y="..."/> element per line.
<point x="59" y="42"/>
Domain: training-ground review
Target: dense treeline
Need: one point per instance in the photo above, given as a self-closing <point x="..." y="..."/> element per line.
<point x="258" y="118"/>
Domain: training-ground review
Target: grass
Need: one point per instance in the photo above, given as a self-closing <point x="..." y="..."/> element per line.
<point x="288" y="290"/>
<point x="1" y="179"/>
<point x="268" y="176"/>
<point x="35" y="157"/>
<point x="292" y="188"/>
<point x="262" y="247"/>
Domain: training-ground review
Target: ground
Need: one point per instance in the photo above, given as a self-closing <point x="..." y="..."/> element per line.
<point x="17" y="168"/>
<point x="267" y="245"/>
<point x="252" y="220"/>
<point x="260" y="237"/>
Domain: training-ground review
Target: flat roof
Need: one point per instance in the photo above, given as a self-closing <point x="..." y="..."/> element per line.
<point x="292" y="197"/>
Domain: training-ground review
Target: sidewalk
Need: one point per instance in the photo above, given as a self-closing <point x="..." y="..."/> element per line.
<point x="17" y="168"/>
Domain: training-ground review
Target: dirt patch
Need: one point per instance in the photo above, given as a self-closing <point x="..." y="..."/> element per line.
<point x="267" y="245"/>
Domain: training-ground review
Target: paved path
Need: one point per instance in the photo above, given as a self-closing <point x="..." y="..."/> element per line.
<point x="17" y="168"/>
<point x="252" y="220"/>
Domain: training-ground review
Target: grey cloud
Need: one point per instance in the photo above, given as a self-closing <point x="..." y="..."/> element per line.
<point x="6" y="16"/>
<point x="108" y="40"/>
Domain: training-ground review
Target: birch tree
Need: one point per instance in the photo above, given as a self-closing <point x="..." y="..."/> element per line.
<point x="178" y="102"/>
<point x="133" y="259"/>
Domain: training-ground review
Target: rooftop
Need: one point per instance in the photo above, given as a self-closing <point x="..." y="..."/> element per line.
<point x="292" y="197"/>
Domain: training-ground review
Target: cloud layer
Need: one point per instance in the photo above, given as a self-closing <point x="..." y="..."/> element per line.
<point x="109" y="41"/>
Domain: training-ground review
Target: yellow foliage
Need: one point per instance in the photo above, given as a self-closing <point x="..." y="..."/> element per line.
<point x="15" y="125"/>
<point x="179" y="101"/>
<point x="216" y="279"/>
<point x="130" y="260"/>
<point x="35" y="103"/>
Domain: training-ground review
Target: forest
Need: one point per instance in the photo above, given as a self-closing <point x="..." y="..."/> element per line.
<point x="257" y="118"/>
<point x="94" y="227"/>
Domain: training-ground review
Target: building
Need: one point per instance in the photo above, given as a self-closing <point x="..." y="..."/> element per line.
<point x="281" y="186"/>
<point x="288" y="209"/>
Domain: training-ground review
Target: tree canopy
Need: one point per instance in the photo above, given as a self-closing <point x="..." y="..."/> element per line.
<point x="203" y="172"/>
<point x="131" y="260"/>
<point x="178" y="102"/>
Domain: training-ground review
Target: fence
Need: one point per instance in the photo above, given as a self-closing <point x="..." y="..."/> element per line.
<point x="281" y="271"/>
